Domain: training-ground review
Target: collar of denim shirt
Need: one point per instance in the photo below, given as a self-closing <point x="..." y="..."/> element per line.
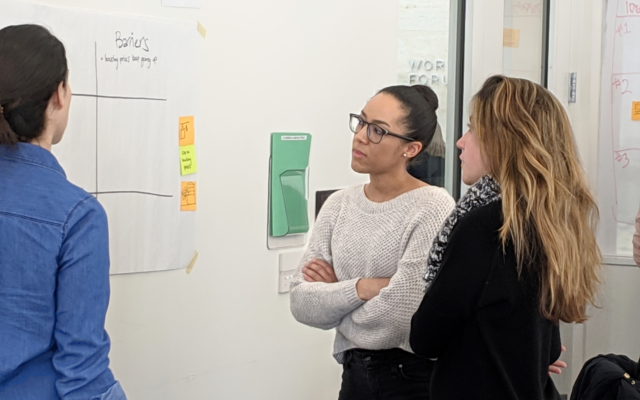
<point x="31" y="154"/>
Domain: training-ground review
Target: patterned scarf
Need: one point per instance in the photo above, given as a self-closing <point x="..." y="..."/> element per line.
<point x="483" y="192"/>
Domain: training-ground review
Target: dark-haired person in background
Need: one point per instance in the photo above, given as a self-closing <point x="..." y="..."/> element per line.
<point x="54" y="251"/>
<point x="362" y="272"/>
<point x="428" y="166"/>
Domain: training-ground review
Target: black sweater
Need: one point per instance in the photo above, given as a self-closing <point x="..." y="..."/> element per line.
<point x="482" y="323"/>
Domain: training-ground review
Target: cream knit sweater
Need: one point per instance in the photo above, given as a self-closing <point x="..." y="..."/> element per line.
<point x="363" y="239"/>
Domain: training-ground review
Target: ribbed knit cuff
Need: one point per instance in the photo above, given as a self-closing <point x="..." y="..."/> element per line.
<point x="351" y="293"/>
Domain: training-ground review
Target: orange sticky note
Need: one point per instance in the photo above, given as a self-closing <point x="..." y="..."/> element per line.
<point x="635" y="111"/>
<point x="510" y="37"/>
<point x="187" y="131"/>
<point x="188" y="196"/>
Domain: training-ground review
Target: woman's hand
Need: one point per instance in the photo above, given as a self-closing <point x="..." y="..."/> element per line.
<point x="318" y="270"/>
<point x="558" y="366"/>
<point x="368" y="288"/>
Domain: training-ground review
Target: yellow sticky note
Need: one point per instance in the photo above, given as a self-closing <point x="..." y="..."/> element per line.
<point x="201" y="30"/>
<point x="187" y="131"/>
<point x="188" y="162"/>
<point x="635" y="111"/>
<point x="188" y="196"/>
<point x="510" y="37"/>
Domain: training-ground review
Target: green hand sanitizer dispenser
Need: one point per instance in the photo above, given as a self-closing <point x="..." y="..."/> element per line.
<point x="288" y="205"/>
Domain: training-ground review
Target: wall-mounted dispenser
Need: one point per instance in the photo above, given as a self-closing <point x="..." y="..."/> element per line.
<point x="288" y="190"/>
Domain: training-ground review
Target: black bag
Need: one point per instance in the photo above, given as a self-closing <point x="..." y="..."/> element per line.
<point x="605" y="377"/>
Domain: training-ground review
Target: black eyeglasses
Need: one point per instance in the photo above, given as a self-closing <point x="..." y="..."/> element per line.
<point x="374" y="132"/>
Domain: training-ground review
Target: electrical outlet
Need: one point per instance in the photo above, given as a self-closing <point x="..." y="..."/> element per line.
<point x="288" y="264"/>
<point x="284" y="283"/>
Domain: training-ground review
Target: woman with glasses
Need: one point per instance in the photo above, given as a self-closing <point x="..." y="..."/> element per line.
<point x="362" y="272"/>
<point x="54" y="250"/>
<point x="518" y="254"/>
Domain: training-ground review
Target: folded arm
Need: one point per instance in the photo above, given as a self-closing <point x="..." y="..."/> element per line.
<point x="391" y="310"/>
<point x="318" y="303"/>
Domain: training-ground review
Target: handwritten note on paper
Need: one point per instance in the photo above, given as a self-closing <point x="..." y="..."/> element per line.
<point x="188" y="162"/>
<point x="187" y="131"/>
<point x="511" y="37"/>
<point x="188" y="196"/>
<point x="635" y="111"/>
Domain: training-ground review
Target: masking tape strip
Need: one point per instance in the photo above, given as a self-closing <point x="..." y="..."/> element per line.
<point x="192" y="263"/>
<point x="202" y="30"/>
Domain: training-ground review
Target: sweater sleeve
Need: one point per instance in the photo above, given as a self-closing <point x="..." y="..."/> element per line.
<point x="451" y="298"/>
<point x="318" y="304"/>
<point x="636" y="241"/>
<point x="390" y="311"/>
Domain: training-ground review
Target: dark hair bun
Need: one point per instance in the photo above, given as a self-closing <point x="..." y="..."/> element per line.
<point x="420" y="103"/>
<point x="428" y="94"/>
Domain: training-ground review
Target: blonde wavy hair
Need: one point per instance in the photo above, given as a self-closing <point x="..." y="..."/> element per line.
<point x="549" y="212"/>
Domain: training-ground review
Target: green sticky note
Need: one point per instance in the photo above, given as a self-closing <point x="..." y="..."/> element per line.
<point x="188" y="162"/>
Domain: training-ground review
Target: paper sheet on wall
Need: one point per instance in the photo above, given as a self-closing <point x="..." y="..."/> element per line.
<point x="182" y="3"/>
<point x="619" y="143"/>
<point x="132" y="79"/>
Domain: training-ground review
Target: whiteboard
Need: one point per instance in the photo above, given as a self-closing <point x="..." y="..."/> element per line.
<point x="619" y="141"/>
<point x="131" y="78"/>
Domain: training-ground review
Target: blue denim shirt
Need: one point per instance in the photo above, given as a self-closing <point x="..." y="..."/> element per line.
<point x="54" y="283"/>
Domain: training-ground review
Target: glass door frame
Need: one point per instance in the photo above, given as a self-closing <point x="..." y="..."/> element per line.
<point x="455" y="130"/>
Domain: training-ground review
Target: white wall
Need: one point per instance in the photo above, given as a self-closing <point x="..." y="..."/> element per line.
<point x="223" y="332"/>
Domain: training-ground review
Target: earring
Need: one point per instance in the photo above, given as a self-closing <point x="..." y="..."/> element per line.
<point x="404" y="155"/>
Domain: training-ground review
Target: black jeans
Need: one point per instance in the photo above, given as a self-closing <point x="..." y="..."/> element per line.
<point x="385" y="375"/>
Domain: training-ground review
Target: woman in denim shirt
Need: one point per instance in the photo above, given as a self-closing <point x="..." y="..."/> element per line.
<point x="54" y="251"/>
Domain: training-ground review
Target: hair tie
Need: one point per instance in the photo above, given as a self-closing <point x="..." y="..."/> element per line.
<point x="1" y="111"/>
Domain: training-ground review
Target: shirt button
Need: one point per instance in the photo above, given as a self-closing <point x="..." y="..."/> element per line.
<point x="367" y="359"/>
